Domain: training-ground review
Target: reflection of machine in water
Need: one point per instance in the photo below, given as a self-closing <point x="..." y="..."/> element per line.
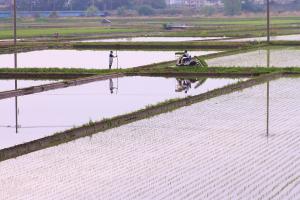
<point x="184" y="85"/>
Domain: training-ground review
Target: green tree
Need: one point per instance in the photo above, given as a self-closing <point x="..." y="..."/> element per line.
<point x="232" y="7"/>
<point x="297" y="4"/>
<point x="121" y="11"/>
<point x="146" y="10"/>
<point x="91" y="11"/>
<point x="158" y="4"/>
<point x="248" y="5"/>
<point x="208" y="10"/>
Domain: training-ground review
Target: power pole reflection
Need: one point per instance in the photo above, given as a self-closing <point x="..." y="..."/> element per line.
<point x="268" y="95"/>
<point x="16" y="103"/>
<point x="15" y="61"/>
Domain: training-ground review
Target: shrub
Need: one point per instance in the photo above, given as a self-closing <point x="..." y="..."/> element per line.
<point x="53" y="14"/>
<point x="208" y="10"/>
<point x="92" y="11"/>
<point x="121" y="11"/>
<point x="146" y="10"/>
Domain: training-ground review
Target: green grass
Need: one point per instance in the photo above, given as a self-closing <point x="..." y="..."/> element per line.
<point x="230" y="27"/>
<point x="163" y="45"/>
<point x="164" y="70"/>
<point x="60" y="70"/>
<point x="256" y="22"/>
<point x="40" y="32"/>
<point x="214" y="70"/>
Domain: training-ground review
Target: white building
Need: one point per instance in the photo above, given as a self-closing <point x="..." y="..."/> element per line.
<point x="175" y="3"/>
<point x="262" y="2"/>
<point x="194" y="3"/>
<point x="200" y="3"/>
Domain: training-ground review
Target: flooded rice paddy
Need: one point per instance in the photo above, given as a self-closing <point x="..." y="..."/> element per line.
<point x="153" y="39"/>
<point x="6" y="85"/>
<point x="295" y="37"/>
<point x="43" y="114"/>
<point x="217" y="149"/>
<point x="89" y="59"/>
<point x="260" y="58"/>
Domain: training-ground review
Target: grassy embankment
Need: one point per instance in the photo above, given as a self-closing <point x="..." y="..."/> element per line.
<point x="167" y="71"/>
<point x="212" y="45"/>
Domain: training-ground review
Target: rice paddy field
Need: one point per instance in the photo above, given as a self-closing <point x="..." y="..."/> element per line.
<point x="150" y="26"/>
<point x="154" y="39"/>
<point x="295" y="37"/>
<point x="47" y="113"/>
<point x="12" y="84"/>
<point x="90" y="59"/>
<point x="278" y="57"/>
<point x="148" y="129"/>
<point x="217" y="149"/>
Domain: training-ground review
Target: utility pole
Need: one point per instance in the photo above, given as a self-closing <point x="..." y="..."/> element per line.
<point x="15" y="30"/>
<point x="268" y="21"/>
<point x="15" y="23"/>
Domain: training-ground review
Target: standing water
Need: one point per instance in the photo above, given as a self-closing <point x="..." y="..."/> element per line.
<point x="6" y="85"/>
<point x="152" y="39"/>
<point x="44" y="114"/>
<point x="89" y="59"/>
<point x="295" y="37"/>
<point x="288" y="57"/>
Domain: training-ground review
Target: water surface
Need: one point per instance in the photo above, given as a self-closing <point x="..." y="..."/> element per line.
<point x="152" y="39"/>
<point x="212" y="150"/>
<point x="288" y="57"/>
<point x="10" y="84"/>
<point x="46" y="113"/>
<point x="89" y="59"/>
<point x="295" y="37"/>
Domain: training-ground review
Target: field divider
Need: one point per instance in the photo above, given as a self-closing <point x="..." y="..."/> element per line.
<point x="150" y="111"/>
<point x="43" y="75"/>
<point x="207" y="45"/>
<point x="58" y="85"/>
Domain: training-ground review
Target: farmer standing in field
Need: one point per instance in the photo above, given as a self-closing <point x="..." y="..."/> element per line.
<point x="111" y="59"/>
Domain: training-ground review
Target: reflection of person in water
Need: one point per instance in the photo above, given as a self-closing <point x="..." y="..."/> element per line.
<point x="186" y="84"/>
<point x="111" y="86"/>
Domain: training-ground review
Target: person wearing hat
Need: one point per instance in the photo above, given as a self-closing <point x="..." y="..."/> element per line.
<point x="186" y="56"/>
